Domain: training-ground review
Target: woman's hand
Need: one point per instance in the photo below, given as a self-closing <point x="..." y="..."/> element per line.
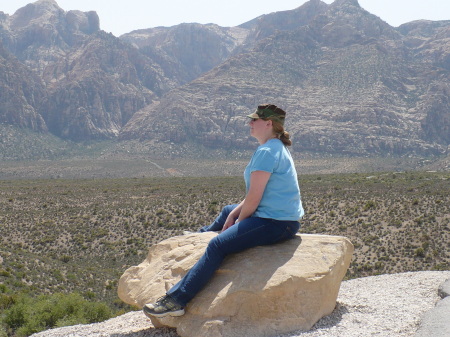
<point x="228" y="223"/>
<point x="232" y="217"/>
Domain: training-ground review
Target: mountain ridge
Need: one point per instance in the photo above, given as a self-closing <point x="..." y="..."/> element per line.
<point x="388" y="84"/>
<point x="351" y="83"/>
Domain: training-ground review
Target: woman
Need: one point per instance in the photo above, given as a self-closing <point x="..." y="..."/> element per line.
<point x="269" y="213"/>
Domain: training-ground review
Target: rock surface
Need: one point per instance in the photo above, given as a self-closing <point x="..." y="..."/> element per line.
<point x="436" y="322"/>
<point x="389" y="305"/>
<point x="20" y="99"/>
<point x="262" y="291"/>
<point x="444" y="289"/>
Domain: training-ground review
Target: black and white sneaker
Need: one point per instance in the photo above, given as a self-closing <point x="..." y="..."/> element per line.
<point x="164" y="306"/>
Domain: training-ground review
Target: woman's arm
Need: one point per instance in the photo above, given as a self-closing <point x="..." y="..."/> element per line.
<point x="258" y="182"/>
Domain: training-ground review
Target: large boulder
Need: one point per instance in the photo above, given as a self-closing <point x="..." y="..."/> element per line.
<point x="263" y="291"/>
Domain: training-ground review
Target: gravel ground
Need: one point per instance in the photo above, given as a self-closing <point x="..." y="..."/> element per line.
<point x="386" y="305"/>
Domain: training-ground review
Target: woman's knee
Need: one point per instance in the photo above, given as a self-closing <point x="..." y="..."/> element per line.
<point x="213" y="254"/>
<point x="216" y="247"/>
<point x="213" y="244"/>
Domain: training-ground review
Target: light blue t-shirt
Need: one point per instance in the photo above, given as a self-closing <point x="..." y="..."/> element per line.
<point x="281" y="198"/>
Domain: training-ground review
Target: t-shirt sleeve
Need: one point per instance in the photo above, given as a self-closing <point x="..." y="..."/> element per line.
<point x="263" y="160"/>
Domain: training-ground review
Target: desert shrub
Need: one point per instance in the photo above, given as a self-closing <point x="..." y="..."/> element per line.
<point x="379" y="265"/>
<point x="97" y="233"/>
<point x="369" y="205"/>
<point x="419" y="252"/>
<point x="30" y="315"/>
<point x="66" y="258"/>
<point x="441" y="267"/>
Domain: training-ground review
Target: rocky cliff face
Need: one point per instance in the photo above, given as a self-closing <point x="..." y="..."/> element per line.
<point x="348" y="80"/>
<point x="351" y="84"/>
<point x="186" y="51"/>
<point x="94" y="82"/>
<point x="95" y="91"/>
<point x="429" y="43"/>
<point x="266" y="25"/>
<point x="42" y="32"/>
<point x="20" y="100"/>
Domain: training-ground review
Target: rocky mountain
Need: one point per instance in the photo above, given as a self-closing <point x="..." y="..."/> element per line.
<point x="430" y="42"/>
<point x="41" y="32"/>
<point x="94" y="82"/>
<point x="351" y="83"/>
<point x="269" y="24"/>
<point x="186" y="51"/>
<point x="94" y="91"/>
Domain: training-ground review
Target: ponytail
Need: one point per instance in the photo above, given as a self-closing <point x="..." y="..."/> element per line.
<point x="285" y="138"/>
<point x="280" y="133"/>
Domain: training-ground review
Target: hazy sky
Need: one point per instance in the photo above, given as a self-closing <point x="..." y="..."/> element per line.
<point x="123" y="16"/>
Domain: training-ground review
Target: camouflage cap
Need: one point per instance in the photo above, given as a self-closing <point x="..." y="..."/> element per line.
<point x="269" y="111"/>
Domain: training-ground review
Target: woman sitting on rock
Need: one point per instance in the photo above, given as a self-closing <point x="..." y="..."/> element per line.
<point x="269" y="213"/>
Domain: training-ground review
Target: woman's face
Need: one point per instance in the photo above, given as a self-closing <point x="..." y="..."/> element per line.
<point x="258" y="127"/>
<point x="254" y="125"/>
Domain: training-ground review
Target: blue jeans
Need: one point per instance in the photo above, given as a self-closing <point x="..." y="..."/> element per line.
<point x="248" y="233"/>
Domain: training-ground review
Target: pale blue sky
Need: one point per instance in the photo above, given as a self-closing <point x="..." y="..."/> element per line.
<point x="121" y="17"/>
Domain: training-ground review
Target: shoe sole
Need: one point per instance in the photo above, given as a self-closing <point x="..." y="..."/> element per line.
<point x="177" y="313"/>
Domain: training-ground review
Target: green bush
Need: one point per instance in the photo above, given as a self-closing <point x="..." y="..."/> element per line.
<point x="30" y="315"/>
<point x="370" y="204"/>
<point x="419" y="252"/>
<point x="6" y="301"/>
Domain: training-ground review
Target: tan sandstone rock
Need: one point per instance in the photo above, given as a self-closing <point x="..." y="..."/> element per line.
<point x="263" y="291"/>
